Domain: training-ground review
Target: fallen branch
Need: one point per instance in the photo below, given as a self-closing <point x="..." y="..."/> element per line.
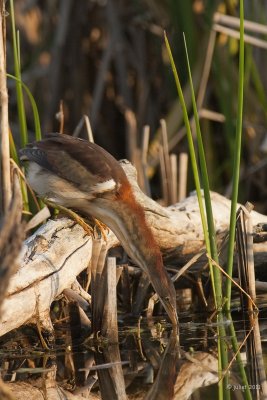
<point x="53" y="257"/>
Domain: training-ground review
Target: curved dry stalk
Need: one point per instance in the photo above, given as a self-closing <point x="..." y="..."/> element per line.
<point x="233" y="281"/>
<point x="236" y="353"/>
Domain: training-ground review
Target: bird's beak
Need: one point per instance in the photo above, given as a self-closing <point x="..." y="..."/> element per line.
<point x="171" y="310"/>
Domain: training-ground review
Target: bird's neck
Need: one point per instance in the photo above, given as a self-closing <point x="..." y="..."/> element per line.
<point x="142" y="247"/>
<point x="126" y="218"/>
<point x="134" y="232"/>
<point x="134" y="218"/>
<point x="129" y="225"/>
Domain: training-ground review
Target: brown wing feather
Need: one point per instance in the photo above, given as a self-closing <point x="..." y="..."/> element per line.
<point x="83" y="163"/>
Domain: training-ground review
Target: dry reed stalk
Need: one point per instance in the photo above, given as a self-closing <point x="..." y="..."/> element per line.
<point x="141" y="177"/>
<point x="110" y="323"/>
<point x="145" y="143"/>
<point x="235" y="34"/>
<point x="231" y="22"/>
<point x="109" y="330"/>
<point x="77" y="130"/>
<point x="144" y="152"/>
<point x="183" y="170"/>
<point x="5" y="178"/>
<point x="131" y="133"/>
<point x="189" y="264"/>
<point x="174" y="179"/>
<point x="211" y="115"/>
<point x="84" y="121"/>
<point x="234" y="22"/>
<point x="60" y="116"/>
<point x="206" y="69"/>
<point x="88" y="129"/>
<point x="163" y="174"/>
<point x="246" y="267"/>
<point x="166" y="160"/>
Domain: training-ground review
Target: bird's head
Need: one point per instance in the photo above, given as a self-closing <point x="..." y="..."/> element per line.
<point x="164" y="287"/>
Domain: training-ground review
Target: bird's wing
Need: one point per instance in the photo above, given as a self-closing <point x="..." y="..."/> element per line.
<point x="80" y="162"/>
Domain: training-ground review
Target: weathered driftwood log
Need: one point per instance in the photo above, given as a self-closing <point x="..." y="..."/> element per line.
<point x="11" y="237"/>
<point x="179" y="226"/>
<point x="36" y="391"/>
<point x="53" y="257"/>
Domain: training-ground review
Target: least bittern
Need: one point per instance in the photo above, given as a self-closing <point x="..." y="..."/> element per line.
<point x="83" y="176"/>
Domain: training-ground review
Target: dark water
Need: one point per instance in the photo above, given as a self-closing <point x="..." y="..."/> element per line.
<point x="149" y="357"/>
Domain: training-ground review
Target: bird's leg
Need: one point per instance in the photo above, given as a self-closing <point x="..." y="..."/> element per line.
<point x="102" y="228"/>
<point x="99" y="230"/>
<point x="80" y="221"/>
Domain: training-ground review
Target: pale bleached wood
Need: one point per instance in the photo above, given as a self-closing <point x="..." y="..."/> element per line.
<point x="50" y="261"/>
<point x="53" y="257"/>
<point x="26" y="391"/>
<point x="179" y="226"/>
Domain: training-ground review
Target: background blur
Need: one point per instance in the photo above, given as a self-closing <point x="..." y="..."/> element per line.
<point x="106" y="59"/>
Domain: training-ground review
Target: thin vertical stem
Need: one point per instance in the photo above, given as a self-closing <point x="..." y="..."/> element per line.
<point x="20" y="101"/>
<point x="4" y="126"/>
<point x="174" y="178"/>
<point x="183" y="170"/>
<point x="237" y="156"/>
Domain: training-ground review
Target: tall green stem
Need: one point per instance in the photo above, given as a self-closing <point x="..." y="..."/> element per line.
<point x="237" y="156"/>
<point x="20" y="101"/>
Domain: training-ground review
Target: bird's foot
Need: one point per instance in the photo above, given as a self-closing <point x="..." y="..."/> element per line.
<point x="79" y="220"/>
<point x="102" y="228"/>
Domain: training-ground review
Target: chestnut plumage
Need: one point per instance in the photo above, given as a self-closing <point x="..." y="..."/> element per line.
<point x="81" y="175"/>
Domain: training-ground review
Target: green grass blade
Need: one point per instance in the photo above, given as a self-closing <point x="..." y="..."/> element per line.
<point x="190" y="143"/>
<point x="192" y="154"/>
<point x="222" y="346"/>
<point x="20" y="100"/>
<point x="243" y="375"/>
<point x="13" y="150"/>
<point x="188" y="131"/>
<point x="237" y="156"/>
<point x="37" y="126"/>
<point x="18" y="50"/>
<point x="205" y="181"/>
